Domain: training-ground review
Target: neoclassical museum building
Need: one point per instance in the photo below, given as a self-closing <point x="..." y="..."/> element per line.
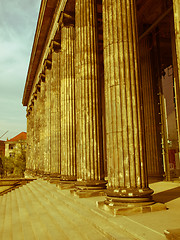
<point x="103" y="95"/>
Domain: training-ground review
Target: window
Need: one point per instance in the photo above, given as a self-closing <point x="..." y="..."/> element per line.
<point x="11" y="146"/>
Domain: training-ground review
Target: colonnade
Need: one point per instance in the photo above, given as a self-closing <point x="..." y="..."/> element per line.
<point x="64" y="119"/>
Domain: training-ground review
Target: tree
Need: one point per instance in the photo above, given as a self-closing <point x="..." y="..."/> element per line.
<point x="8" y="165"/>
<point x="1" y="168"/>
<point x="20" y="163"/>
<point x="15" y="165"/>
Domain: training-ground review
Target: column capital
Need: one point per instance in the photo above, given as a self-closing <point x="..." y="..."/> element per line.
<point x="42" y="77"/>
<point x="55" y="46"/>
<point x="47" y="64"/>
<point x="38" y="87"/>
<point x="34" y="97"/>
<point x="66" y="19"/>
<point x="32" y="102"/>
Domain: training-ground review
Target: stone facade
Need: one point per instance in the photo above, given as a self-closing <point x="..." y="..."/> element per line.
<point x="93" y="93"/>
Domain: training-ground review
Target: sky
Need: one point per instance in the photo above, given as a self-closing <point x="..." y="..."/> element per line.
<point x="18" y="19"/>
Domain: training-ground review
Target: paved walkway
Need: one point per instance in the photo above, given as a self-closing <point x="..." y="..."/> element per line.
<point x="39" y="210"/>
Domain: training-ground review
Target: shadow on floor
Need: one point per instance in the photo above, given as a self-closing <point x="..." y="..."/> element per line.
<point x="167" y="196"/>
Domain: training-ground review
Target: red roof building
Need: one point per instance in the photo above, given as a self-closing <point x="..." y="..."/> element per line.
<point x="15" y="143"/>
<point x="20" y="136"/>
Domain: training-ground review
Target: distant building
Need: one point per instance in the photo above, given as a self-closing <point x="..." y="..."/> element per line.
<point x="2" y="148"/>
<point x="15" y="144"/>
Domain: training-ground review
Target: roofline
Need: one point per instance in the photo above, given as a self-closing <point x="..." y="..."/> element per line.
<point x="46" y="13"/>
<point x="17" y="141"/>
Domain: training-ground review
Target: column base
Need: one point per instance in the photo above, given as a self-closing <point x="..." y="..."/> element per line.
<point x="129" y="201"/>
<point x="130" y="209"/>
<point x="86" y="189"/>
<point x="87" y="193"/>
<point x="66" y="185"/>
<point x="63" y="182"/>
<point x="46" y="176"/>
<point x="33" y="173"/>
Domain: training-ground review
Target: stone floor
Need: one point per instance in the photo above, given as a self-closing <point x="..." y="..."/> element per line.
<point x="40" y="210"/>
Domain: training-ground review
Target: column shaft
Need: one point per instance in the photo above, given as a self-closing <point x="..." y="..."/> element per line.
<point x="55" y="118"/>
<point x="67" y="102"/>
<point x="28" y="142"/>
<point x="41" y="129"/>
<point x="88" y="131"/>
<point x="32" y="144"/>
<point x="152" y="136"/>
<point x="127" y="174"/>
<point x="38" y="130"/>
<point x="36" y="135"/>
<point x="176" y="60"/>
<point x="43" y="124"/>
<point x="47" y="157"/>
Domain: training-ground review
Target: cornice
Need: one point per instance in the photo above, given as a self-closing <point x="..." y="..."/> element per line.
<point x="46" y="13"/>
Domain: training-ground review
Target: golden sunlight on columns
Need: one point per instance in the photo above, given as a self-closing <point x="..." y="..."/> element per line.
<point x="32" y="142"/>
<point x="90" y="167"/>
<point x="30" y="134"/>
<point x="47" y="119"/>
<point x="41" y="129"/>
<point x="43" y="123"/>
<point x="55" y="115"/>
<point x="127" y="176"/>
<point x="38" y="128"/>
<point x="67" y="102"/>
<point x="28" y="140"/>
<point x="152" y="140"/>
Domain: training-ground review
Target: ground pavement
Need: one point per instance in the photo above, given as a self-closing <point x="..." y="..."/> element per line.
<point x="40" y="210"/>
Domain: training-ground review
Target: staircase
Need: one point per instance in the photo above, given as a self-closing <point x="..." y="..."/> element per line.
<point x="40" y="211"/>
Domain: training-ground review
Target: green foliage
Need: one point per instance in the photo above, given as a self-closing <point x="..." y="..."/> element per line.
<point x="15" y="166"/>
<point x="1" y="168"/>
<point x="8" y="165"/>
<point x="20" y="163"/>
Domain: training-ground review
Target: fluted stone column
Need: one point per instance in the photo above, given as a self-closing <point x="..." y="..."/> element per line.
<point x="32" y="143"/>
<point x="54" y="115"/>
<point x="176" y="60"/>
<point x="90" y="169"/>
<point x="67" y="102"/>
<point x="28" y="140"/>
<point x="35" y="149"/>
<point x="30" y="132"/>
<point x="127" y="175"/>
<point x="32" y="138"/>
<point x="38" y="129"/>
<point x="152" y="136"/>
<point x="40" y="113"/>
<point x="43" y="123"/>
<point x="47" y="130"/>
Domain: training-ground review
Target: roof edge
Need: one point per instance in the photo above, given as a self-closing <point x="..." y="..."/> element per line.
<point x="46" y="13"/>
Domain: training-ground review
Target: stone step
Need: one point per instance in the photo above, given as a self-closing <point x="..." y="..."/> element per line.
<point x="72" y="222"/>
<point x="25" y="219"/>
<point x="37" y="229"/>
<point x="16" y="224"/>
<point x="80" y="206"/>
<point x="7" y="226"/>
<point x="2" y="213"/>
<point x="37" y="208"/>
